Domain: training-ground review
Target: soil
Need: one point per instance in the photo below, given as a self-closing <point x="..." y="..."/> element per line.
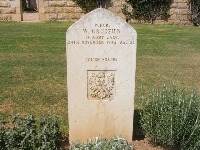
<point x="145" y="145"/>
<point x="6" y="107"/>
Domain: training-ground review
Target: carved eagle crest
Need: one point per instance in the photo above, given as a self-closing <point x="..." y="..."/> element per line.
<point x="101" y="85"/>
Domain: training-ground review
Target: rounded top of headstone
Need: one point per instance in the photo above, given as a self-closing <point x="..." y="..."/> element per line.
<point x="103" y="17"/>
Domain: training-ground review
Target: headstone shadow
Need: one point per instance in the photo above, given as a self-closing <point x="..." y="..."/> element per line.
<point x="137" y="129"/>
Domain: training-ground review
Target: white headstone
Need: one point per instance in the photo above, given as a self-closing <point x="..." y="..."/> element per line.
<point x="101" y="64"/>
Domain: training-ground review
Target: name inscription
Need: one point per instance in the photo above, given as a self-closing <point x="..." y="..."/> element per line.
<point x="101" y="34"/>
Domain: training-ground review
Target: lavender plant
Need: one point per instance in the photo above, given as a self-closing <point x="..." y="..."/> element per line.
<point x="49" y="133"/>
<point x="171" y="117"/>
<point x="117" y="143"/>
<point x="23" y="133"/>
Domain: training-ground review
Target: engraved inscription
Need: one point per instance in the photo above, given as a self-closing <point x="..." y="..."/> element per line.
<point x="100" y="34"/>
<point x="101" y="84"/>
<point x="101" y="59"/>
<point x="102" y="25"/>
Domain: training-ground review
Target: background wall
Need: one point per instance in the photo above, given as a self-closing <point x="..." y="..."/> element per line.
<point x="67" y="10"/>
<point x="10" y="10"/>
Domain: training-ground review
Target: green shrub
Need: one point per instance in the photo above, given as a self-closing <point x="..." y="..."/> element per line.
<point x="2" y="134"/>
<point x="49" y="133"/>
<point x="171" y="117"/>
<point x="195" y="10"/>
<point x="148" y="9"/>
<point x="23" y="133"/>
<point x="86" y="5"/>
<point x="117" y="143"/>
<point x="89" y="5"/>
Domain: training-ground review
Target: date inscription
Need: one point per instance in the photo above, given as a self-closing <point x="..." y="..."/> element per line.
<point x="101" y="34"/>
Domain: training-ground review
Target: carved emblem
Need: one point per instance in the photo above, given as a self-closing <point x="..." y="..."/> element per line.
<point x="101" y="85"/>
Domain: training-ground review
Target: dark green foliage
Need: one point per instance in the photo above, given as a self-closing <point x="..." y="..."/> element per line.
<point x="195" y="10"/>
<point x="148" y="9"/>
<point x="23" y="133"/>
<point x="20" y="135"/>
<point x="117" y="143"/>
<point x="86" y="5"/>
<point x="2" y="134"/>
<point x="171" y="118"/>
<point x="89" y="5"/>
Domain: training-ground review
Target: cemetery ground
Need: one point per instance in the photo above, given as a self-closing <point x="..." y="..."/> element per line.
<point x="33" y="66"/>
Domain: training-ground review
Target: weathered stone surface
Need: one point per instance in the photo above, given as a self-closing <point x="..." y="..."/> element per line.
<point x="31" y="17"/>
<point x="173" y="17"/>
<point x="182" y="5"/>
<point x="68" y="9"/>
<point x="186" y="23"/>
<point x="174" y="5"/>
<point x="41" y="10"/>
<point x="177" y="22"/>
<point x="5" y="17"/>
<point x="43" y="3"/>
<point x="53" y="17"/>
<point x="75" y="15"/>
<point x="159" y="22"/>
<point x="170" y="22"/>
<point x="63" y="16"/>
<point x="4" y="4"/>
<point x="44" y="17"/>
<point x="185" y="12"/>
<point x="53" y="10"/>
<point x="59" y="10"/>
<point x="122" y="16"/>
<point x="77" y="10"/>
<point x="46" y="10"/>
<point x="118" y="10"/>
<point x="18" y="10"/>
<point x="117" y="3"/>
<point x="57" y="3"/>
<point x="9" y="11"/>
<point x="101" y="64"/>
<point x="71" y="3"/>
<point x="184" y="18"/>
<point x="16" y="17"/>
